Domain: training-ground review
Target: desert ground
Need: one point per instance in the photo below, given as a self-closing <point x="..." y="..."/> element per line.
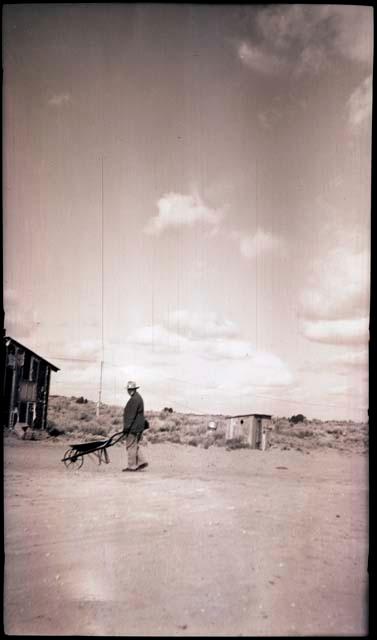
<point x="203" y="542"/>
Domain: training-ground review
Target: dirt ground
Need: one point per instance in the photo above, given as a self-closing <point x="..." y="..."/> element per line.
<point x="204" y="542"/>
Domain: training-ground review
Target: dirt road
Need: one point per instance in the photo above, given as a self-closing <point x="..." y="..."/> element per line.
<point x="205" y="542"/>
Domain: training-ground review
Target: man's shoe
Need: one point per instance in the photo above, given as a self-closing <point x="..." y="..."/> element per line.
<point x="129" y="469"/>
<point x="142" y="465"/>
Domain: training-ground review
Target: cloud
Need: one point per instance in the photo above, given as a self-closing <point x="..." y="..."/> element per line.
<point x="88" y="350"/>
<point x="353" y="359"/>
<point x="360" y="105"/>
<point x="259" y="60"/>
<point x="354" y="32"/>
<point x="21" y="318"/>
<point x="206" y="324"/>
<point x="59" y="99"/>
<point x="342" y="332"/>
<point x="208" y="351"/>
<point x="252" y="245"/>
<point x="185" y="329"/>
<point x="306" y="38"/>
<point x="177" y="210"/>
<point x="340" y="390"/>
<point x="193" y="361"/>
<point x="334" y="306"/>
<point x="350" y="361"/>
<point x="269" y="117"/>
<point x="338" y="286"/>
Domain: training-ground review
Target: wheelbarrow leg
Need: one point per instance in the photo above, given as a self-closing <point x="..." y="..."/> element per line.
<point x="103" y="455"/>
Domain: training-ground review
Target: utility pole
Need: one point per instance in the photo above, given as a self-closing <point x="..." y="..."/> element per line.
<point x="102" y="286"/>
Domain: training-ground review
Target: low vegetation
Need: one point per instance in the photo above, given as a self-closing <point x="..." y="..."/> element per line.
<point x="76" y="418"/>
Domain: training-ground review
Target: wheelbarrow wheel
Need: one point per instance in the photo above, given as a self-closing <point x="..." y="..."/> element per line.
<point x="73" y="460"/>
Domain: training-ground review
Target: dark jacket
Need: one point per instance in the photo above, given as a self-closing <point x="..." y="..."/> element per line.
<point x="133" y="415"/>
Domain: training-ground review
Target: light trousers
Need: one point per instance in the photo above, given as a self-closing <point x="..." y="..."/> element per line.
<point x="134" y="454"/>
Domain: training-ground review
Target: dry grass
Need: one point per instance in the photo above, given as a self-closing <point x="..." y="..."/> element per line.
<point x="79" y="420"/>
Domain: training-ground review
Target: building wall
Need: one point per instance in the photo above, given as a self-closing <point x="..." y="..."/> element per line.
<point x="26" y="388"/>
<point x="248" y="428"/>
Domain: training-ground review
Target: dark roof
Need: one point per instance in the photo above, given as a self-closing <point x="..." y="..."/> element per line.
<point x="53" y="367"/>
<point x="249" y="415"/>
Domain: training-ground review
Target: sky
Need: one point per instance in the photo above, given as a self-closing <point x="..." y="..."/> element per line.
<point x="186" y="198"/>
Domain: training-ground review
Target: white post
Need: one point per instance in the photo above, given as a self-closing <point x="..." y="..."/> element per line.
<point x="100" y="391"/>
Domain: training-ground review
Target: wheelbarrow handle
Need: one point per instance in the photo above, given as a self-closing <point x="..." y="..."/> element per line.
<point x="119" y="433"/>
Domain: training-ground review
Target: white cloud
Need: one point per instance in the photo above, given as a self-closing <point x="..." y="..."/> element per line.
<point x="338" y="286"/>
<point x="339" y="390"/>
<point x="312" y="59"/>
<point x="258" y="60"/>
<point x="334" y="307"/>
<point x="205" y="324"/>
<point x="21" y="319"/>
<point x="158" y="337"/>
<point x="360" y="104"/>
<point x="89" y="350"/>
<point x="305" y="38"/>
<point x="59" y="99"/>
<point x="178" y="210"/>
<point x="269" y="117"/>
<point x="252" y="245"/>
<point x="342" y="332"/>
<point x="207" y="351"/>
<point x="354" y="33"/>
<point x="353" y="359"/>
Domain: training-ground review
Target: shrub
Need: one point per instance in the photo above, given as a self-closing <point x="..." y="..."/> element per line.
<point x="53" y="431"/>
<point x="298" y="418"/>
<point x="237" y="443"/>
<point x="301" y="433"/>
<point x="93" y="428"/>
<point x="208" y="442"/>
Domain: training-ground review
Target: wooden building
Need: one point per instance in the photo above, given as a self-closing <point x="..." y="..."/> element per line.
<point x="26" y="384"/>
<point x="251" y="429"/>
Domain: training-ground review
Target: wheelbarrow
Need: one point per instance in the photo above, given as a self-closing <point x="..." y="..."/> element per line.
<point x="74" y="456"/>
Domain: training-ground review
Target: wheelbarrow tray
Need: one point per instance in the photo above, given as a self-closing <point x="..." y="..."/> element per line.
<point x="85" y="447"/>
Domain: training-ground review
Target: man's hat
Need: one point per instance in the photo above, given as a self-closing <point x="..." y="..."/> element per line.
<point x="131" y="385"/>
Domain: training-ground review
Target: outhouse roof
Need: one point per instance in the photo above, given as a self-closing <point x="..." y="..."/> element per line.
<point x="251" y="415"/>
<point x="53" y="367"/>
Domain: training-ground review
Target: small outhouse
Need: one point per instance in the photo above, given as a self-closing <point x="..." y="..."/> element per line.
<point x="251" y="429"/>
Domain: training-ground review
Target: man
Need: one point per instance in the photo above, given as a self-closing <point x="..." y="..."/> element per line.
<point x="133" y="427"/>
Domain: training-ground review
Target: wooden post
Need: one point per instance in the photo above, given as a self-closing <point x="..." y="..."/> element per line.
<point x="13" y="390"/>
<point x="45" y="397"/>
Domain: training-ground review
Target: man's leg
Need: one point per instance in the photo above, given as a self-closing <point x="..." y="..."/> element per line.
<point x="131" y="446"/>
<point x="141" y="461"/>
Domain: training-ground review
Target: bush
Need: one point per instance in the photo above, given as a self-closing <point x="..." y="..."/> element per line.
<point x="208" y="442"/>
<point x="298" y="418"/>
<point x="53" y="430"/>
<point x="237" y="443"/>
<point x="302" y="433"/>
<point x="93" y="429"/>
